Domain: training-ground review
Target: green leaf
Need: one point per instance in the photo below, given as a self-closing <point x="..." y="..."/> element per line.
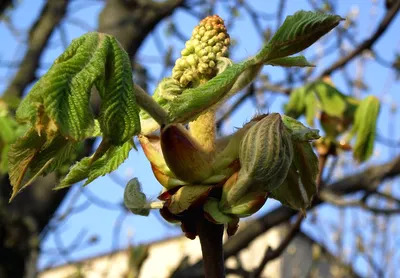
<point x="64" y="91"/>
<point x="300" y="186"/>
<point x="311" y="106"/>
<point x="296" y="104"/>
<point x="77" y="173"/>
<point x="110" y="161"/>
<point x="134" y="199"/>
<point x="20" y="157"/>
<point x="330" y="99"/>
<point x="119" y="114"/>
<point x="365" y="128"/>
<point x="93" y="167"/>
<point x="192" y="102"/>
<point x="299" y="131"/>
<point x="296" y="61"/>
<point x="298" y="32"/>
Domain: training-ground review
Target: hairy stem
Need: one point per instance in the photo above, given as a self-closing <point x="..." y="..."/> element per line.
<point x="147" y="103"/>
<point x="203" y="129"/>
<point x="210" y="235"/>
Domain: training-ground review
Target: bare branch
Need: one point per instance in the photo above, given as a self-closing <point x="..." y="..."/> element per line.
<point x="368" y="43"/>
<point x="39" y="35"/>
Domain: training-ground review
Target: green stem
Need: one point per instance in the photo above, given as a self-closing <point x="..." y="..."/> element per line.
<point x="158" y="114"/>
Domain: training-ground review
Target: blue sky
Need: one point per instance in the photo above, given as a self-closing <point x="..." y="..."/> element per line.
<point x="100" y="222"/>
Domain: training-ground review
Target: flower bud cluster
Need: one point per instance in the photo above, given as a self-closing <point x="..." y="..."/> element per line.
<point x="209" y="41"/>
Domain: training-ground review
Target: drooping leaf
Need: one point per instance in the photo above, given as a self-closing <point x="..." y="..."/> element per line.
<point x="20" y="157"/>
<point x="296" y="61"/>
<point x="298" y="32"/>
<point x="297" y="103"/>
<point x="311" y="105"/>
<point x="119" y="114"/>
<point x="364" y="127"/>
<point x="134" y="199"/>
<point x="90" y="168"/>
<point x="331" y="101"/>
<point x="110" y="161"/>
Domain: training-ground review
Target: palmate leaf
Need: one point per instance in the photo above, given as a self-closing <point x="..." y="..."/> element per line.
<point x="33" y="155"/>
<point x="57" y="109"/>
<point x="119" y="115"/>
<point x="298" y="32"/>
<point x="90" y="170"/>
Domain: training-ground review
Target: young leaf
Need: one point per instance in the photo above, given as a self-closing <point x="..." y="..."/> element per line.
<point x="296" y="61"/>
<point x="90" y="169"/>
<point x="298" y="32"/>
<point x="300" y="185"/>
<point x="365" y="128"/>
<point x="64" y="91"/>
<point x="296" y="104"/>
<point x="110" y="161"/>
<point x="134" y="199"/>
<point x="192" y="102"/>
<point x="331" y="100"/>
<point x="119" y="114"/>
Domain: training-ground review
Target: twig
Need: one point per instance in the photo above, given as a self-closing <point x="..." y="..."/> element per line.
<point x="39" y="35"/>
<point x="368" y="43"/>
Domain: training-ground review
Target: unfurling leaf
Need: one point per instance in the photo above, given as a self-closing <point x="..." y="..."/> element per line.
<point x="64" y="91"/>
<point x="58" y="112"/>
<point x="134" y="199"/>
<point x="91" y="169"/>
<point x="331" y="101"/>
<point x="265" y="157"/>
<point x="300" y="184"/>
<point x="299" y="131"/>
<point x="298" y="32"/>
<point x="364" y="127"/>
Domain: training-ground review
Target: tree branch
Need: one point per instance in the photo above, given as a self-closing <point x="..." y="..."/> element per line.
<point x="368" y="43"/>
<point x="39" y="35"/>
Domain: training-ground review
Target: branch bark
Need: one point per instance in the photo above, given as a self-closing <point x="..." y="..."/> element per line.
<point x="50" y="17"/>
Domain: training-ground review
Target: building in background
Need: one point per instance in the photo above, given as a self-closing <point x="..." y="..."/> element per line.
<point x="302" y="258"/>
